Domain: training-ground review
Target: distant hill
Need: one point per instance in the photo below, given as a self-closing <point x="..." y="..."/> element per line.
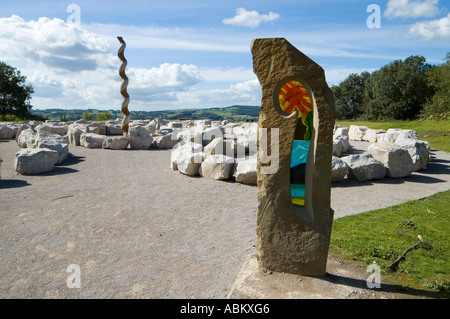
<point x="240" y="113"/>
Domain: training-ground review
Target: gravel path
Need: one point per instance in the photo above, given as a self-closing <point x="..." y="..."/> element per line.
<point x="137" y="229"/>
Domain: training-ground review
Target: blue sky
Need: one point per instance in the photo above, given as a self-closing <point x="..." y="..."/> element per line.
<point x="196" y="54"/>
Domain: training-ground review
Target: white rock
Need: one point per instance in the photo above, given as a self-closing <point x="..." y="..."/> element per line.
<point x="356" y="133"/>
<point x="26" y="138"/>
<point x="73" y="135"/>
<point x="92" y="140"/>
<point x="6" y="132"/>
<point x="115" y="143"/>
<point x="50" y="128"/>
<point x="371" y="135"/>
<point x="246" y="171"/>
<point x="364" y="167"/>
<point x="219" y="167"/>
<point x="113" y="129"/>
<point x="397" y="160"/>
<point x="190" y="163"/>
<point x="140" y="138"/>
<point x="341" y="144"/>
<point x="182" y="151"/>
<point x="61" y="148"/>
<point x="35" y="161"/>
<point x="165" y="142"/>
<point x="339" y="169"/>
<point x="219" y="146"/>
<point x="419" y="151"/>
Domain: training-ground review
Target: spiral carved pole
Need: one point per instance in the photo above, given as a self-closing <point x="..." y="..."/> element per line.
<point x="123" y="87"/>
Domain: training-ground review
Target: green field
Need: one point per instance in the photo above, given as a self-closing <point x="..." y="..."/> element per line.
<point x="382" y="235"/>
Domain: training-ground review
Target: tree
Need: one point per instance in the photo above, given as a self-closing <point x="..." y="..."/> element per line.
<point x="349" y="96"/>
<point x="398" y="90"/>
<point x="15" y="96"/>
<point x="103" y="116"/>
<point x="87" y="116"/>
<point x="439" y="79"/>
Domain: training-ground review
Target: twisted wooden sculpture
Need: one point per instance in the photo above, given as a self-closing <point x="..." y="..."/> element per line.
<point x="123" y="87"/>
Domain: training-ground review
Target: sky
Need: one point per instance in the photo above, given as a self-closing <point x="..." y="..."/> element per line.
<point x="196" y="53"/>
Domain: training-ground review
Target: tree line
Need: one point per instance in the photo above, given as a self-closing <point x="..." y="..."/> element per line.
<point x="401" y="90"/>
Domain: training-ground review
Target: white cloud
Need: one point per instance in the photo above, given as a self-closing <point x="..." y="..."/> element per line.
<point x="252" y="19"/>
<point x="411" y="9"/>
<point x="433" y="30"/>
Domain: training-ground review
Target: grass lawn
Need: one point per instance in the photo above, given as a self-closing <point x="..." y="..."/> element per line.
<point x="435" y="132"/>
<point x="382" y="235"/>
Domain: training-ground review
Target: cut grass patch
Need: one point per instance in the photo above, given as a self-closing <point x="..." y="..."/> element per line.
<point x="382" y="235"/>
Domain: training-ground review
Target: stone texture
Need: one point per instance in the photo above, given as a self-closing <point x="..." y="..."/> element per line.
<point x="61" y="148"/>
<point x="165" y="142"/>
<point x="219" y="146"/>
<point x="371" y="135"/>
<point x="356" y="133"/>
<point x="181" y="152"/>
<point x="140" y="138"/>
<point x="219" y="167"/>
<point x="26" y="138"/>
<point x="339" y="169"/>
<point x="246" y="171"/>
<point x="419" y="151"/>
<point x="364" y="167"/>
<point x="6" y="133"/>
<point x="287" y="240"/>
<point x="115" y="143"/>
<point x="190" y="163"/>
<point x="397" y="160"/>
<point x="92" y="140"/>
<point x="35" y="161"/>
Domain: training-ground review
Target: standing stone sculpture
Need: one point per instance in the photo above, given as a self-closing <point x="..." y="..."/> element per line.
<point x="294" y="215"/>
<point x="123" y="87"/>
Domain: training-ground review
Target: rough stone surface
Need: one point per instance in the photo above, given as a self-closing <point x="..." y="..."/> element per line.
<point x="165" y="142"/>
<point x="35" y="161"/>
<point x="115" y="143"/>
<point x="26" y="138"/>
<point x="371" y="135"/>
<point x="219" y="167"/>
<point x="288" y="241"/>
<point x="92" y="140"/>
<point x="61" y="148"/>
<point x="190" y="163"/>
<point x="419" y="151"/>
<point x="246" y="171"/>
<point x="6" y="133"/>
<point x="140" y="138"/>
<point x="219" y="146"/>
<point x="364" y="167"/>
<point x="356" y="133"/>
<point x="397" y="160"/>
<point x="339" y="169"/>
<point x="181" y="152"/>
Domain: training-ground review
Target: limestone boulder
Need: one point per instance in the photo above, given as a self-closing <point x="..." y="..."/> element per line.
<point x="26" y="138"/>
<point x="92" y="140"/>
<point x="219" y="167"/>
<point x="113" y="129"/>
<point x="52" y="128"/>
<point x="245" y="172"/>
<point x="419" y="151"/>
<point x="339" y="169"/>
<point x="61" y="148"/>
<point x="140" y="138"/>
<point x="35" y="161"/>
<point x="115" y="143"/>
<point x="182" y="152"/>
<point x="73" y="135"/>
<point x="341" y="144"/>
<point x="220" y="146"/>
<point x="364" y="167"/>
<point x="356" y="133"/>
<point x="190" y="163"/>
<point x="371" y="135"/>
<point x="397" y="160"/>
<point x="6" y="133"/>
<point x="165" y="142"/>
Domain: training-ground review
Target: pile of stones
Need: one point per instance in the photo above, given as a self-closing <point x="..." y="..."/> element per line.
<point x="394" y="153"/>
